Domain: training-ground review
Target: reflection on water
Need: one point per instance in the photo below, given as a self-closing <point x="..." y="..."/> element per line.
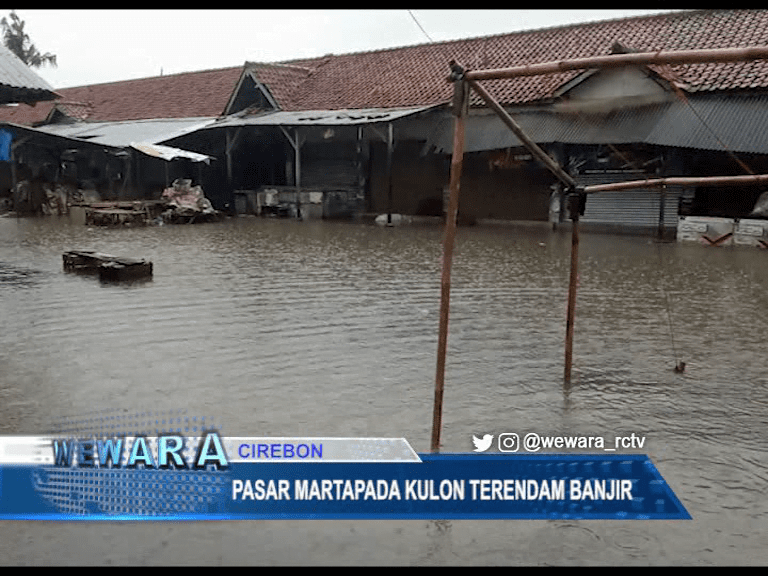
<point x="282" y="328"/>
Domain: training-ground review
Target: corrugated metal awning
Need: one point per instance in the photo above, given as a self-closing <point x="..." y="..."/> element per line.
<point x="18" y="83"/>
<point x="168" y="153"/>
<point x="706" y="122"/>
<point x="123" y="133"/>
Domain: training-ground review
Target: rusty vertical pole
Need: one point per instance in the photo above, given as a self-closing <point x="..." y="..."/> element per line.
<point x="575" y="207"/>
<point x="460" y="104"/>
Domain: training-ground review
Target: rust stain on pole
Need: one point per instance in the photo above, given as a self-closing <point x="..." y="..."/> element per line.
<point x="615" y="60"/>
<point x="460" y="110"/>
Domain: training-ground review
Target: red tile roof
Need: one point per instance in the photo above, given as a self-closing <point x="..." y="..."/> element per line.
<point x="415" y="75"/>
<point x="283" y="80"/>
<point x="185" y="95"/>
<point x="76" y="110"/>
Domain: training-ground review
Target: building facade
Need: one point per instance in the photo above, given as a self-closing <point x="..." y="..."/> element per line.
<point x="371" y="133"/>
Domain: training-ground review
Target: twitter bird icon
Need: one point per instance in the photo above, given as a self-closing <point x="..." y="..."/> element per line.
<point x="482" y="444"/>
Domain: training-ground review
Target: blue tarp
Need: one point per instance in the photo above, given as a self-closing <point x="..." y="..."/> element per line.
<point x="6" y="136"/>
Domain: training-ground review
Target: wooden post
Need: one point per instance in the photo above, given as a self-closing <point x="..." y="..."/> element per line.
<point x="137" y="175"/>
<point x="295" y="143"/>
<point x="460" y="103"/>
<point x="298" y="174"/>
<point x="360" y="166"/>
<point x="573" y="208"/>
<point x="228" y="152"/>
<point x="662" y="202"/>
<point x="228" y="147"/>
<point x="390" y="146"/>
<point x="14" y="192"/>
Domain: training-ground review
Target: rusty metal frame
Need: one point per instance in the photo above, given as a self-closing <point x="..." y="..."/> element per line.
<point x="463" y="80"/>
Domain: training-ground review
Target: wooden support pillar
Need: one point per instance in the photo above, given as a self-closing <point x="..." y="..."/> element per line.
<point x="230" y="143"/>
<point x="128" y="168"/>
<point x="14" y="177"/>
<point x="460" y="108"/>
<point x="662" y="202"/>
<point x="228" y="153"/>
<point x="298" y="173"/>
<point x="390" y="149"/>
<point x="296" y="143"/>
<point x="360" y="163"/>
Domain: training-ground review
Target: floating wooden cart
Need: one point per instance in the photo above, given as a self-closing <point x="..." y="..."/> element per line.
<point x="108" y="267"/>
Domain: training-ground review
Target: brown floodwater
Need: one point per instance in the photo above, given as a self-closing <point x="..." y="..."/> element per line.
<point x="285" y="328"/>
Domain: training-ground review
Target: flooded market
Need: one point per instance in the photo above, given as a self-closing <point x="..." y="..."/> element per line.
<point x="319" y="328"/>
<point x="261" y="257"/>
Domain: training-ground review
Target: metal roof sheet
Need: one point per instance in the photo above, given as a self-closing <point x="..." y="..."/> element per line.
<point x="706" y="122"/>
<point x="739" y="122"/>
<point x="18" y="83"/>
<point x="169" y="153"/>
<point x="488" y="132"/>
<point x="124" y="133"/>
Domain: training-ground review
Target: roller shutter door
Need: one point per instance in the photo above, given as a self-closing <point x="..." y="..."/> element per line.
<point x="638" y="208"/>
<point x="329" y="166"/>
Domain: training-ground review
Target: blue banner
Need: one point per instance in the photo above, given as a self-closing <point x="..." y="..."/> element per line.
<point x="439" y="486"/>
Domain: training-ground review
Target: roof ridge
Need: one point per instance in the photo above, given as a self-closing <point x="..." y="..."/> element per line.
<point x="278" y="65"/>
<point x="72" y="102"/>
<point x="155" y="77"/>
<point x="320" y="60"/>
<point x="525" y="31"/>
<point x="349" y="80"/>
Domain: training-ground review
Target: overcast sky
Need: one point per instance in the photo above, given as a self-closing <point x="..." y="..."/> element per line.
<point x="94" y="46"/>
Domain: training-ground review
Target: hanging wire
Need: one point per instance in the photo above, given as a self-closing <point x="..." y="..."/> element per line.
<point x="679" y="364"/>
<point x="681" y="96"/>
<point x="420" y="26"/>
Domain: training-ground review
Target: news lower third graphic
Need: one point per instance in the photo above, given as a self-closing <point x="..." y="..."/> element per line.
<point x="180" y="468"/>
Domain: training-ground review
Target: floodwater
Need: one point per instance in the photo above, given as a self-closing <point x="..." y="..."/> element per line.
<point x="284" y="328"/>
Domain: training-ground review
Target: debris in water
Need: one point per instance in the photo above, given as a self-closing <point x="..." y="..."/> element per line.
<point x="109" y="267"/>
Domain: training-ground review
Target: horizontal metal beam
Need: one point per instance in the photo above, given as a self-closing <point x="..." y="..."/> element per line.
<point x="752" y="179"/>
<point x="617" y="60"/>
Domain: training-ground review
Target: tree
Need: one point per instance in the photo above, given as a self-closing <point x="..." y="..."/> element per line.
<point x="18" y="42"/>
